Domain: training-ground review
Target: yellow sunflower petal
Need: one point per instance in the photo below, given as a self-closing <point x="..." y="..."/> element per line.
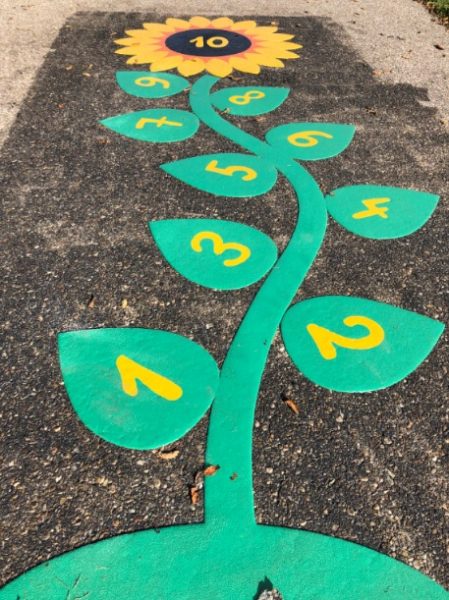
<point x="157" y="27"/>
<point x="167" y="63"/>
<point x="263" y="31"/>
<point x="274" y="46"/>
<point x="222" y="22"/>
<point x="143" y="57"/>
<point x="266" y="60"/>
<point x="286" y="54"/>
<point x="128" y="50"/>
<point x="177" y="23"/>
<point x="126" y="41"/>
<point x="138" y="33"/>
<point x="218" y="67"/>
<point x="244" y="25"/>
<point x="246" y="65"/>
<point x="191" y="67"/>
<point x="280" y="37"/>
<point x="200" y="22"/>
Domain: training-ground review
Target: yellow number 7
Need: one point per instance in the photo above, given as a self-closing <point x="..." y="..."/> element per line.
<point x="229" y="171"/>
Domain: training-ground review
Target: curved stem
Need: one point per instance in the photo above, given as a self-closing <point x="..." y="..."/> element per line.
<point x="229" y="498"/>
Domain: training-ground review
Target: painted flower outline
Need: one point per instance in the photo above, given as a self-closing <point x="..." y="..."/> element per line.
<point x="217" y="46"/>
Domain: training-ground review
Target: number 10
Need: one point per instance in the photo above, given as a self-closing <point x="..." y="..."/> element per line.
<point x="213" y="42"/>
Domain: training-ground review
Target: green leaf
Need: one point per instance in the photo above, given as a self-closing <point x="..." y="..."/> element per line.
<point x="231" y="174"/>
<point x="380" y="212"/>
<point x="311" y="141"/>
<point x="217" y="254"/>
<point x="357" y="345"/>
<point x="137" y="388"/>
<point x="155" y="125"/>
<point x="249" y="101"/>
<point x="144" y="84"/>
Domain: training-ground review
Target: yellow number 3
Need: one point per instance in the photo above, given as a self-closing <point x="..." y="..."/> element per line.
<point x="326" y="340"/>
<point x="219" y="247"/>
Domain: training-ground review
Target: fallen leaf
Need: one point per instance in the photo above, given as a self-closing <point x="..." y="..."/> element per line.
<point x="292" y="405"/>
<point x="233" y="476"/>
<point x="210" y="470"/>
<point x="91" y="302"/>
<point x="194" y="495"/>
<point x="169" y="455"/>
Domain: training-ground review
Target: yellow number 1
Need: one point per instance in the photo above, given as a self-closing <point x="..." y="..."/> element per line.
<point x="326" y="340"/>
<point x="229" y="171"/>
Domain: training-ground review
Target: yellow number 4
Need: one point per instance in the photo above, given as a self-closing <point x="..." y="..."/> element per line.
<point x="373" y="209"/>
<point x="326" y="340"/>
<point x="213" y="167"/>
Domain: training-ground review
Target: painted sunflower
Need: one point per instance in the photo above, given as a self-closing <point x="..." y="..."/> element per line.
<point x="214" y="45"/>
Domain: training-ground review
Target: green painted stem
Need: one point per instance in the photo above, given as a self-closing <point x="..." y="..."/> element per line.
<point x="229" y="500"/>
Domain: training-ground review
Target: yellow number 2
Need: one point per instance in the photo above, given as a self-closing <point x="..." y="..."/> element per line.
<point x="219" y="247"/>
<point x="307" y="139"/>
<point x="326" y="340"/>
<point x="250" y="174"/>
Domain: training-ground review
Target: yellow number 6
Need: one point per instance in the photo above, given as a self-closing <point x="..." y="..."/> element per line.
<point x="229" y="171"/>
<point x="326" y="340"/>
<point x="308" y="138"/>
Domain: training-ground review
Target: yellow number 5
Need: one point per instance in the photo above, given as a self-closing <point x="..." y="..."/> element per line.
<point x="326" y="340"/>
<point x="213" y="167"/>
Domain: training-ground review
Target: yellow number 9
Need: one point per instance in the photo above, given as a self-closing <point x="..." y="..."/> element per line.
<point x="151" y="81"/>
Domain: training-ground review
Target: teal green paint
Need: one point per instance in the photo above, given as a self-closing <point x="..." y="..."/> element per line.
<point x="231" y="423"/>
<point x="93" y="383"/>
<point x="195" y="172"/>
<point x="157" y="132"/>
<point x="406" y="211"/>
<point x="324" y="148"/>
<point x="259" y="100"/>
<point x="196" y="562"/>
<point x="174" y="237"/>
<point x="409" y="338"/>
<point x="191" y="562"/>
<point x="151" y="85"/>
